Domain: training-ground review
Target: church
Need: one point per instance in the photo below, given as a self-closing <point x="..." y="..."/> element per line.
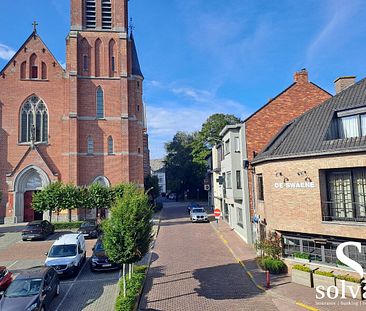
<point x="82" y="124"/>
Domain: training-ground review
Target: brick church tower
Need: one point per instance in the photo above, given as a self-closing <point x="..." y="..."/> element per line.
<point x="80" y="125"/>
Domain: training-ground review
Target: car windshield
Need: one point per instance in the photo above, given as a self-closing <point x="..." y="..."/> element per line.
<point x="62" y="251"/>
<point x="198" y="210"/>
<point x="23" y="288"/>
<point x="87" y="224"/>
<point x="99" y="247"/>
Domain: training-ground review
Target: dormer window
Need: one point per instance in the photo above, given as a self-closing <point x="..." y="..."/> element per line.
<point x="348" y="124"/>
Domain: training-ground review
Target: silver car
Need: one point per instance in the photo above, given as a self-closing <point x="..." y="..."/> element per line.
<point x="198" y="214"/>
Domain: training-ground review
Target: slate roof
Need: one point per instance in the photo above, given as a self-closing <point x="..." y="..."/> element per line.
<point x="157" y="164"/>
<point x="307" y="135"/>
<point x="136" y="70"/>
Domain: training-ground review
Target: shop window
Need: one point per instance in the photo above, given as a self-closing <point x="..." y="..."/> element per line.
<point x="260" y="189"/>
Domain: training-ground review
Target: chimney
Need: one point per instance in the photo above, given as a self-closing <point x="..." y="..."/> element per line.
<point x="301" y="76"/>
<point x="342" y="83"/>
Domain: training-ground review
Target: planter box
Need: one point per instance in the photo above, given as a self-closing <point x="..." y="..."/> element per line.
<point x="325" y="281"/>
<point x="356" y="288"/>
<point x="302" y="260"/>
<point x="302" y="278"/>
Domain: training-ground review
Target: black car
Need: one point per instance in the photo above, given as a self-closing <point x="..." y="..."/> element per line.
<point x="38" y="229"/>
<point x="33" y="289"/>
<point x="90" y="229"/>
<point x="99" y="260"/>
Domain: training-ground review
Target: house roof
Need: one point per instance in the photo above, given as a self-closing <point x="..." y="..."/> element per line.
<point x="157" y="164"/>
<point x="307" y="135"/>
<point x="136" y="70"/>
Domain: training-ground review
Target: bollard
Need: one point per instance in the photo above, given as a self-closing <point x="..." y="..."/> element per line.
<point x="268" y="278"/>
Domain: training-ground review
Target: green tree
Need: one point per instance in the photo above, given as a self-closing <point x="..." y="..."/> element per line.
<point x="182" y="172"/>
<point x="117" y="192"/>
<point x="98" y="197"/>
<point x="209" y="134"/>
<point x="70" y="198"/>
<point x="151" y="184"/>
<point x="48" y="199"/>
<point x="127" y="233"/>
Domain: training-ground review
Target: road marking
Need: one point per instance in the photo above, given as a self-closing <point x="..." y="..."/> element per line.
<point x="12" y="264"/>
<point x="300" y="304"/>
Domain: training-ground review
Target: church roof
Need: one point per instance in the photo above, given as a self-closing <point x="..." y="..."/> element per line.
<point x="308" y="135"/>
<point x="32" y="35"/>
<point x="136" y="70"/>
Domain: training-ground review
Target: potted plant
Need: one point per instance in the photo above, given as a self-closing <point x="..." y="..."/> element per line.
<point x="325" y="279"/>
<point x="302" y="275"/>
<point x="349" y="286"/>
<point x="303" y="257"/>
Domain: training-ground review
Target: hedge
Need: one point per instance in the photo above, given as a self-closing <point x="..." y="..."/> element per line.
<point x="67" y="225"/>
<point x="324" y="273"/>
<point x="273" y="265"/>
<point x="133" y="288"/>
<point x="302" y="255"/>
<point x="301" y="268"/>
<point x="348" y="278"/>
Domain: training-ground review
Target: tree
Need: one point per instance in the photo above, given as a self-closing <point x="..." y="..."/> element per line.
<point x="209" y="134"/>
<point x="182" y="172"/>
<point x="70" y="198"/>
<point x="151" y="184"/>
<point x="48" y="199"/>
<point x="127" y="234"/>
<point x="98" y="197"/>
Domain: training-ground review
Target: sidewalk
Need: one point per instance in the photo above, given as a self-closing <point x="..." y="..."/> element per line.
<point x="286" y="295"/>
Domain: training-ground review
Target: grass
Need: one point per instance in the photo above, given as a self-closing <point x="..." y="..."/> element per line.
<point x="133" y="288"/>
<point x="67" y="225"/>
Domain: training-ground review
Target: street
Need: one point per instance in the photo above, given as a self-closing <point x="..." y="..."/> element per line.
<point x="192" y="269"/>
<point x="87" y="291"/>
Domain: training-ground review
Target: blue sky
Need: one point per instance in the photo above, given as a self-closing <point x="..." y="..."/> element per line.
<point x="205" y="56"/>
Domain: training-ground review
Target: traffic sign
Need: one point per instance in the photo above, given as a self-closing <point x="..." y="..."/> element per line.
<point x="217" y="213"/>
<point x="207" y="187"/>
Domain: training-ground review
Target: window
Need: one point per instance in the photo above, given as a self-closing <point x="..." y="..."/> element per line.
<point x="90" y="145"/>
<point x="239" y="216"/>
<point x="110" y="145"/>
<point x="33" y="68"/>
<point x="34" y="121"/>
<point x="90" y="16"/>
<point x="347" y="126"/>
<point x="237" y="144"/>
<point x="23" y="69"/>
<point x="346" y="193"/>
<point x="260" y="190"/>
<point x="227" y="147"/>
<point x="106" y="14"/>
<point x="98" y="51"/>
<point x="112" y="59"/>
<point x="44" y="71"/>
<point x="85" y="63"/>
<point x="228" y="180"/>
<point x="100" y="103"/>
<point x="238" y="179"/>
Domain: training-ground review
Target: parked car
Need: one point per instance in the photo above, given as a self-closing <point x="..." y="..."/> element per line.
<point x="192" y="205"/>
<point x="37" y="230"/>
<point x="99" y="260"/>
<point x="6" y="277"/>
<point x="90" y="229"/>
<point x="32" y="290"/>
<point x="172" y="196"/>
<point x="198" y="214"/>
<point x="67" y="254"/>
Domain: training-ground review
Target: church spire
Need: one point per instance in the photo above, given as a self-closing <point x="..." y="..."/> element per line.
<point x="136" y="69"/>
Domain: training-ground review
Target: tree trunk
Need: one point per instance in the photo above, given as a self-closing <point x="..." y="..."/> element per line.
<point x="69" y="211"/>
<point x="124" y="280"/>
<point x="50" y="215"/>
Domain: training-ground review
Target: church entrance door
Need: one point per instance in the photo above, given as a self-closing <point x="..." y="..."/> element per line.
<point x="29" y="213"/>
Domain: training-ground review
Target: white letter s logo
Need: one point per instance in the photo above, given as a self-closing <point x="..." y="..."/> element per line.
<point x="348" y="261"/>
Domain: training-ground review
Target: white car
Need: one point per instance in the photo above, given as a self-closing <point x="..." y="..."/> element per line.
<point x="67" y="254"/>
<point x="198" y="214"/>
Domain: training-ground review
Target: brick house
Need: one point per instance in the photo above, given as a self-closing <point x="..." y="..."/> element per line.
<point x="242" y="141"/>
<point x="80" y="125"/>
<point x="313" y="178"/>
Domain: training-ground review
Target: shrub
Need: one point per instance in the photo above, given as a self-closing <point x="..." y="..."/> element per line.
<point x="133" y="287"/>
<point x="273" y="265"/>
<point x="348" y="278"/>
<point x="301" y="268"/>
<point x="324" y="273"/>
<point x="270" y="246"/>
<point x="67" y="225"/>
<point x="302" y="255"/>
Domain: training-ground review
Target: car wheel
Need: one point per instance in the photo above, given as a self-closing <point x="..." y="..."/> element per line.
<point x="58" y="289"/>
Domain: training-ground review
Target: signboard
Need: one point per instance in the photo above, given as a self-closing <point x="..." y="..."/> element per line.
<point x="294" y="185"/>
<point x="207" y="187"/>
<point x="217" y="213"/>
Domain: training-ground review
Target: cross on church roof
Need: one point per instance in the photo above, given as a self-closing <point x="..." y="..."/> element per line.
<point x="35" y="24"/>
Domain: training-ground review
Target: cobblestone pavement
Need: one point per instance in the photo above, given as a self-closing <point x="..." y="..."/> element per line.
<point x="193" y="270"/>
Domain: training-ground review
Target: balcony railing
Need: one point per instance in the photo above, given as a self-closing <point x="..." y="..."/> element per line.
<point x="344" y="211"/>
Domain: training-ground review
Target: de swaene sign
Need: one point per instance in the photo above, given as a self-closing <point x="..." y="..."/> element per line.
<point x="294" y="185"/>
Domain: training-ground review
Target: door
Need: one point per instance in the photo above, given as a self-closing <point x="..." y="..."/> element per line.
<point x="29" y="213"/>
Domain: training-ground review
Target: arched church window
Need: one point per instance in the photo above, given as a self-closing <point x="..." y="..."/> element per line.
<point x="44" y="71"/>
<point x="90" y="145"/>
<point x="106" y="14"/>
<point x="112" y="58"/>
<point x="98" y="51"/>
<point x="33" y="68"/>
<point x="110" y="145"/>
<point x="90" y="15"/>
<point x="23" y="70"/>
<point x="34" y="121"/>
<point x="100" y="103"/>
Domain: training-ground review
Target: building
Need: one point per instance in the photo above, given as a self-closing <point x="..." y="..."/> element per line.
<point x="311" y="179"/>
<point x="158" y="170"/>
<point x="80" y="125"/>
<point x="242" y="141"/>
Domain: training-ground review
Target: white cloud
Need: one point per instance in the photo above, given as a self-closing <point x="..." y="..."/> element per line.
<point x="6" y="52"/>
